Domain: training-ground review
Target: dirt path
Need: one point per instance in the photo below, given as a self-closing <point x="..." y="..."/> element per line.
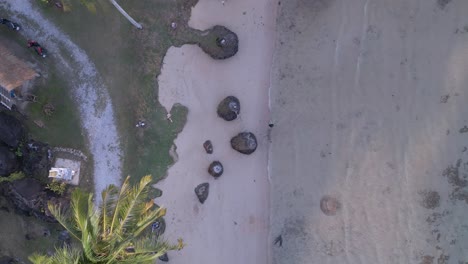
<point x="89" y="92"/>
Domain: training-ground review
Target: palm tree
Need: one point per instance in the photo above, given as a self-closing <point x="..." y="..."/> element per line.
<point x="115" y="232"/>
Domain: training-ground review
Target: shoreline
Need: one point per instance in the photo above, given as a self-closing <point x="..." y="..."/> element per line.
<point x="234" y="221"/>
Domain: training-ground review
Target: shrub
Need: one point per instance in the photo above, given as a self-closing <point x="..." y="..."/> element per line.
<point x="57" y="187"/>
<point x="13" y="177"/>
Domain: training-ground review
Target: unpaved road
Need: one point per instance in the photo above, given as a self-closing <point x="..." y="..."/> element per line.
<point x="88" y="90"/>
<point x="369" y="100"/>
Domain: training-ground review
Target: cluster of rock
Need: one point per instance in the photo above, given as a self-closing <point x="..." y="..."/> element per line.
<point x="244" y="142"/>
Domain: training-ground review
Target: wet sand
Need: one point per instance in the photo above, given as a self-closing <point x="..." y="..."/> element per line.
<point x="369" y="104"/>
<point x="232" y="225"/>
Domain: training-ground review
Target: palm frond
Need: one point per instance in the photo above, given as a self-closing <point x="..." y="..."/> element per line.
<point x="133" y="205"/>
<point x="62" y="255"/>
<point x="148" y="219"/>
<point x="109" y="200"/>
<point x="64" y="219"/>
<point x="120" y="200"/>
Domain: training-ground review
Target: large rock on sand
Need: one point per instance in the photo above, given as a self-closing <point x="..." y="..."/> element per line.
<point x="245" y="143"/>
<point x="202" y="191"/>
<point x="8" y="161"/>
<point x="208" y="146"/>
<point x="220" y="43"/>
<point x="216" y="169"/>
<point x="229" y="108"/>
<point x="12" y="131"/>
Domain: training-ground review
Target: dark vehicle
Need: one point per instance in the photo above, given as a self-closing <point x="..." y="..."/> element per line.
<point x="38" y="48"/>
<point x="10" y="24"/>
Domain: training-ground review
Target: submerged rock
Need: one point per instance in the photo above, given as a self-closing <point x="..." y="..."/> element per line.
<point x="329" y="205"/>
<point x="245" y="143"/>
<point x="202" y="191"/>
<point x="229" y="108"/>
<point x="12" y="131"/>
<point x="208" y="146"/>
<point x="216" y="169"/>
<point x="8" y="161"/>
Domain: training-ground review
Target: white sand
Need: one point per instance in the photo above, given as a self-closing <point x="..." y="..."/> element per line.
<point x="373" y="95"/>
<point x="232" y="225"/>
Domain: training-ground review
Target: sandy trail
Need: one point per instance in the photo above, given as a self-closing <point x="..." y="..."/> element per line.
<point x="232" y="225"/>
<point x="369" y="101"/>
<point x="88" y="90"/>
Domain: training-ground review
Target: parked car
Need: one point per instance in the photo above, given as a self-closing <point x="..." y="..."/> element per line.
<point x="38" y="48"/>
<point x="10" y="24"/>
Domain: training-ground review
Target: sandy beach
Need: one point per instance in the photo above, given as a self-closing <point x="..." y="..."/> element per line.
<point x="369" y="104"/>
<point x="232" y="225"/>
<point x="368" y="101"/>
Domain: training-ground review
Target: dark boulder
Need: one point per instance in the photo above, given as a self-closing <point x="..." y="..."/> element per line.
<point x="8" y="161"/>
<point x="8" y="260"/>
<point x="216" y="169"/>
<point x="164" y="257"/>
<point x="64" y="238"/>
<point x="220" y="43"/>
<point x="245" y="143"/>
<point x="229" y="108"/>
<point x="12" y="130"/>
<point x="202" y="191"/>
<point x="208" y="146"/>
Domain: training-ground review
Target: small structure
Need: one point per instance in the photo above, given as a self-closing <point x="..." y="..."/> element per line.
<point x="61" y="174"/>
<point x="14" y="74"/>
<point x="66" y="170"/>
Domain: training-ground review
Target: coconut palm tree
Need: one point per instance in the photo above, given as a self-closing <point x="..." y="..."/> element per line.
<point x="115" y="232"/>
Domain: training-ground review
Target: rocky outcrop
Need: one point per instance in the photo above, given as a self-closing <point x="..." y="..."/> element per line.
<point x="8" y="260"/>
<point x="37" y="160"/>
<point x="202" y="191"/>
<point x="8" y="161"/>
<point x="216" y="169"/>
<point x="229" y="108"/>
<point x="245" y="143"/>
<point x="12" y="131"/>
<point x="208" y="146"/>
<point x="29" y="197"/>
<point x="220" y="43"/>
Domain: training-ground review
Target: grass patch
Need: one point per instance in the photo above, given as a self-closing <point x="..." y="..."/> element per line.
<point x="62" y="127"/>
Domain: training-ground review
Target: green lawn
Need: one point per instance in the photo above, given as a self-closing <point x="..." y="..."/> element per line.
<point x="62" y="128"/>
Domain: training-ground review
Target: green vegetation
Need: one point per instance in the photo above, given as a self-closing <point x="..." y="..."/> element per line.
<point x="18" y="151"/>
<point x="57" y="187"/>
<point x="113" y="234"/>
<point x="62" y="127"/>
<point x="129" y="61"/>
<point x="12" y="177"/>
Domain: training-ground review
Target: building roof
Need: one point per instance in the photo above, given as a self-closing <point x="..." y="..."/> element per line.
<point x="13" y="71"/>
